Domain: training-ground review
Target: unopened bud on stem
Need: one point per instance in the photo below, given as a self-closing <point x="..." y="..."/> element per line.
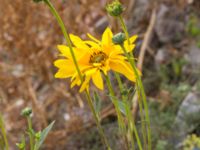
<point x="115" y="8"/>
<point x="119" y="38"/>
<point x="26" y="112"/>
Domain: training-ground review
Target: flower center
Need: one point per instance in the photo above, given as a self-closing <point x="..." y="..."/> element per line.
<point x="98" y="57"/>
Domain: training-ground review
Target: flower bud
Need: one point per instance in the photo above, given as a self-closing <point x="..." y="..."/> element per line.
<point x="26" y="112"/>
<point x="115" y="8"/>
<point x="119" y="38"/>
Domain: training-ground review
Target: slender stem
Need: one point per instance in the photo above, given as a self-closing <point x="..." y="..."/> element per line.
<point x="121" y="123"/>
<point x="131" y="123"/>
<point x="30" y="130"/>
<point x="142" y="116"/>
<point x="133" y="129"/>
<point x="124" y="98"/>
<point x="3" y="131"/>
<point x="115" y="102"/>
<point x="131" y="60"/>
<point x="124" y="28"/>
<point x="121" y="87"/>
<point x="141" y="88"/>
<point x="66" y="35"/>
<point x="67" y="38"/>
<point x="89" y="100"/>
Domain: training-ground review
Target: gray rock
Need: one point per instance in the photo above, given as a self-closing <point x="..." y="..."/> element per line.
<point x="162" y="56"/>
<point x="188" y="117"/>
<point x="139" y="13"/>
<point x="193" y="56"/>
<point x="169" y="24"/>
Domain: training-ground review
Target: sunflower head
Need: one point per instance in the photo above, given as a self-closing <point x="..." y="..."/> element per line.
<point x="115" y="8"/>
<point x="98" y="57"/>
<point x="95" y="57"/>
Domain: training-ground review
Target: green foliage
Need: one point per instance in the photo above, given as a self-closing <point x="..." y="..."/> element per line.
<point x="41" y="136"/>
<point x="22" y="144"/>
<point x="162" y="120"/>
<point x="161" y="144"/>
<point x="3" y="138"/>
<point x="193" y="28"/>
<point x="97" y="103"/>
<point x="192" y="142"/>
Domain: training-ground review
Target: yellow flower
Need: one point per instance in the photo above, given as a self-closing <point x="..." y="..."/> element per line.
<point x="94" y="57"/>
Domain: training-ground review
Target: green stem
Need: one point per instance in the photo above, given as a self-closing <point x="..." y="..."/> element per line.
<point x="3" y="131"/>
<point x="142" y="117"/>
<point x="121" y="87"/>
<point x="121" y="123"/>
<point x="66" y="35"/>
<point x="124" y="28"/>
<point x="103" y="137"/>
<point x="31" y="134"/>
<point x="124" y="98"/>
<point x="115" y="102"/>
<point x="133" y="129"/>
<point x="131" y="60"/>
<point x="67" y="38"/>
<point x="140" y="88"/>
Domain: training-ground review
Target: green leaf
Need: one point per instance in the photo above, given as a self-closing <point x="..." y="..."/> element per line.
<point x="97" y="103"/>
<point x="44" y="134"/>
<point x="22" y="144"/>
<point x="122" y="107"/>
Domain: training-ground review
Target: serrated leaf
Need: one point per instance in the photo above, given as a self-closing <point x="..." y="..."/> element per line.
<point x="44" y="134"/>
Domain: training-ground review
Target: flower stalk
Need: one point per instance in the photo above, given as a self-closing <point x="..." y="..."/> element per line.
<point x="114" y="8"/>
<point x="121" y="123"/>
<point x="89" y="99"/>
<point x="140" y="88"/>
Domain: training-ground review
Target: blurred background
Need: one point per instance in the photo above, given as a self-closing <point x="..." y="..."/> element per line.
<point x="169" y="34"/>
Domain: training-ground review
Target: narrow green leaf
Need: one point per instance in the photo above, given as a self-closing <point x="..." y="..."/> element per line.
<point x="22" y="144"/>
<point x="44" y="134"/>
<point x="97" y="103"/>
<point x="122" y="107"/>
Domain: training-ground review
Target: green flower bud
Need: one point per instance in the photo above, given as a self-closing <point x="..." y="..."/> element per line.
<point x="21" y="146"/>
<point x="115" y="8"/>
<point x="38" y="135"/>
<point x="119" y="38"/>
<point x="26" y="112"/>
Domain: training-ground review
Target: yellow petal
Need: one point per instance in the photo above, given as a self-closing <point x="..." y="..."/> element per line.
<point x="90" y="72"/>
<point x="64" y="50"/>
<point x="131" y="46"/>
<point x="97" y="80"/>
<point x="123" y="68"/>
<point x="92" y="44"/>
<point x="132" y="39"/>
<point x="66" y="68"/>
<point x="107" y="37"/>
<point x="63" y="73"/>
<point x="85" y="83"/>
<point x="78" y="42"/>
<point x="93" y="38"/>
<point x="76" y="81"/>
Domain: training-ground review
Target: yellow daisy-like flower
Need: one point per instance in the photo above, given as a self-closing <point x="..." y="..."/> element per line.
<point x="94" y="57"/>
